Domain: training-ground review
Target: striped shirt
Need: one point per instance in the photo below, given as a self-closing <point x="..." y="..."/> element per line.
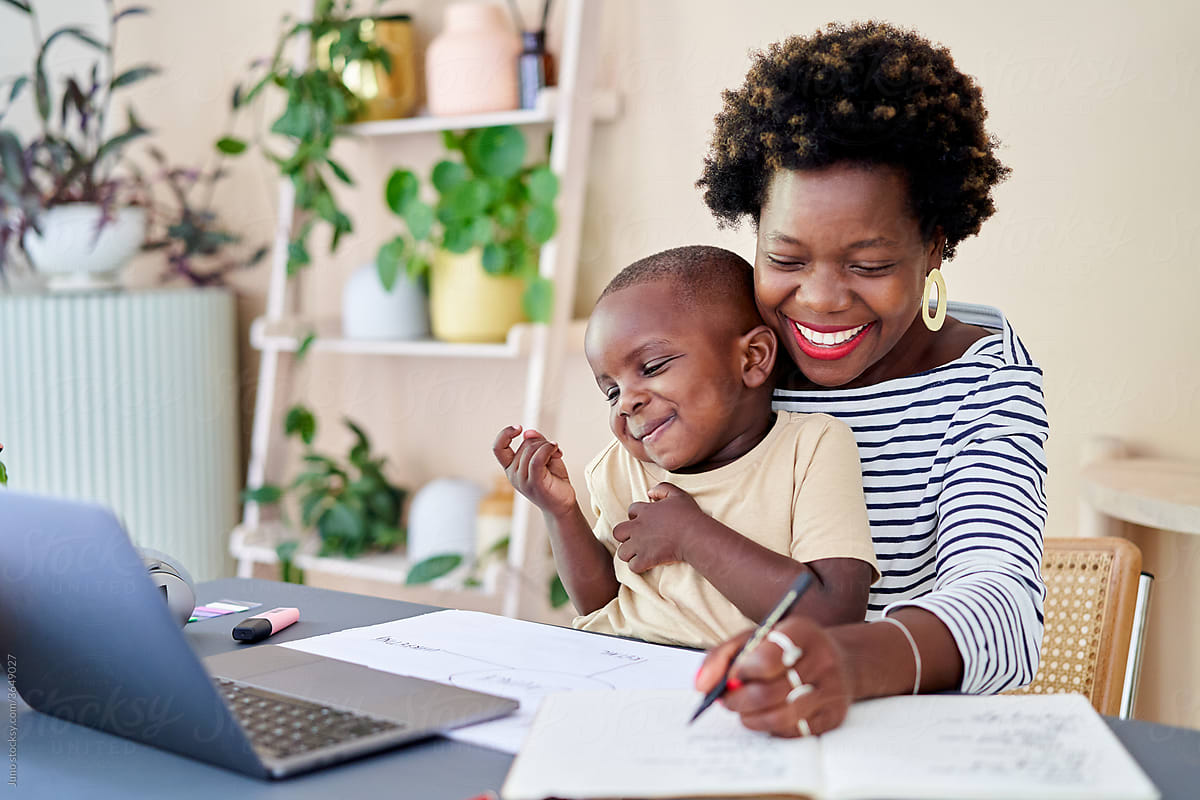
<point x="954" y="475"/>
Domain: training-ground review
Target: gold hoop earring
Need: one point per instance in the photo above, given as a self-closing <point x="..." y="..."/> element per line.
<point x="934" y="321"/>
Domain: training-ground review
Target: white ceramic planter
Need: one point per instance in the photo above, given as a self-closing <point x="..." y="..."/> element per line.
<point x="73" y="256"/>
<point x="371" y="312"/>
<point x="441" y="519"/>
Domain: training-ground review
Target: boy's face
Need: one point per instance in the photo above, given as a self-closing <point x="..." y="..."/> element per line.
<point x="672" y="375"/>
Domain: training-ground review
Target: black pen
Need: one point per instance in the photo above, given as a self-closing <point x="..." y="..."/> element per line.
<point x="782" y="607"/>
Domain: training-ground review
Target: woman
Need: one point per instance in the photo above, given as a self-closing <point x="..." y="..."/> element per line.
<point x="861" y="156"/>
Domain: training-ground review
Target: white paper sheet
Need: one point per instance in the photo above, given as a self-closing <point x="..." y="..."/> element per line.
<point x="618" y="744"/>
<point x="502" y="656"/>
<point x="944" y="746"/>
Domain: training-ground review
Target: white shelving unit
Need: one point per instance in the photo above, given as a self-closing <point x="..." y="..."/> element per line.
<point x="571" y="108"/>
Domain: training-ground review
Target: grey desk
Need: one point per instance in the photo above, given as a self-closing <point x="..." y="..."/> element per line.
<point x="56" y="759"/>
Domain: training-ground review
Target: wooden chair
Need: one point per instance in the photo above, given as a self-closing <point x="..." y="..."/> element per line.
<point x="1097" y="600"/>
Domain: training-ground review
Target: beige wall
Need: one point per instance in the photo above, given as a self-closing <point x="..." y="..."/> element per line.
<point x="1092" y="254"/>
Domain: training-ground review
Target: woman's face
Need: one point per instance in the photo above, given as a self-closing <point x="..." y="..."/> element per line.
<point x="839" y="272"/>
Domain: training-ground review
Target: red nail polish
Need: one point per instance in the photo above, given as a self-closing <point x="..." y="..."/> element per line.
<point x="733" y="684"/>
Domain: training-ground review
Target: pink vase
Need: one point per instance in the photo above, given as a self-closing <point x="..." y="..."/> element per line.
<point x="471" y="66"/>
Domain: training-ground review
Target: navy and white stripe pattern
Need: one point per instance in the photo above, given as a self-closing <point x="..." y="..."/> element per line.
<point x="954" y="473"/>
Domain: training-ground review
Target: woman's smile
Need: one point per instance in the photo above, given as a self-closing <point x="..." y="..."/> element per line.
<point x="829" y="342"/>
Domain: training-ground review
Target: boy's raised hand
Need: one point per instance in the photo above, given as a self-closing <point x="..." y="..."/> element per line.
<point x="536" y="470"/>
<point x="655" y="531"/>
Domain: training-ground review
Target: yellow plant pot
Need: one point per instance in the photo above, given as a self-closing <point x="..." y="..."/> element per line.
<point x="468" y="305"/>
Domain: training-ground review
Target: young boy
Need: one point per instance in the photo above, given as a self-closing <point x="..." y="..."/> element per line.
<point x="708" y="503"/>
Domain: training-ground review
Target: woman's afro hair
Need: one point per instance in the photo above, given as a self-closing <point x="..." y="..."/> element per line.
<point x="869" y="93"/>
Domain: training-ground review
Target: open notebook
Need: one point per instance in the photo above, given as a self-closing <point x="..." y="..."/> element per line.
<point x="637" y="744"/>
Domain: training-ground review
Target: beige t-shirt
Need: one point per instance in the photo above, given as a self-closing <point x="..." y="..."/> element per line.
<point x="798" y="492"/>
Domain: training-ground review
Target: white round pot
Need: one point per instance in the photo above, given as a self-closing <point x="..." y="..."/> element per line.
<point x="441" y="519"/>
<point x="74" y="252"/>
<point x="371" y="312"/>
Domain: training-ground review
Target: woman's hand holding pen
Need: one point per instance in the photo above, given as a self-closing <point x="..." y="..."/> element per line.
<point x="768" y="698"/>
<point x="536" y="470"/>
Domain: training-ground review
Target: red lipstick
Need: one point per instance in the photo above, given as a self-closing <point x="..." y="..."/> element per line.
<point x="829" y="352"/>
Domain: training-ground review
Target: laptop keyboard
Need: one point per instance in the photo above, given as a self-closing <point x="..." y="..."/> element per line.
<point x="283" y="726"/>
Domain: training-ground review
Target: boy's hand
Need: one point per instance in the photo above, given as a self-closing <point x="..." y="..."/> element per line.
<point x="656" y="530"/>
<point x="536" y="470"/>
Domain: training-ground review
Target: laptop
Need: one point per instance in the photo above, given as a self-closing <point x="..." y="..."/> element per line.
<point x="95" y="644"/>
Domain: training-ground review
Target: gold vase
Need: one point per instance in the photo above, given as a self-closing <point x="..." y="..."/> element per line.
<point x="384" y="95"/>
<point x="466" y="304"/>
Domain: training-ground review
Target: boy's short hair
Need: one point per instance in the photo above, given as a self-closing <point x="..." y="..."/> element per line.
<point x="704" y="275"/>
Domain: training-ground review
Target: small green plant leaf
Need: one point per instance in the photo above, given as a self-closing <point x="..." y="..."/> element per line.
<point x="387" y="261"/>
<point x="386" y="537"/>
<point x="542" y="185"/>
<point x="447" y="175"/>
<point x="17" y="86"/>
<point x="402" y="188"/>
<point x="362" y="445"/>
<point x="538" y="300"/>
<point x="432" y="568"/>
<point x="495" y="259"/>
<point x="305" y="344"/>
<point x="495" y="152"/>
<point x="133" y="75"/>
<point x="300" y="422"/>
<point x="482" y="230"/>
<point x="540" y="223"/>
<point x="505" y="215"/>
<point x="419" y="218"/>
<point x="341" y="523"/>
<point x="129" y="12"/>
<point x="457" y="239"/>
<point x="451" y="140"/>
<point x="467" y="200"/>
<point x="3" y="474"/>
<point x="267" y="494"/>
<point x="498" y="547"/>
<point x="12" y="159"/>
<point x="286" y="551"/>
<point x="340" y="171"/>
<point x="558" y="592"/>
<point x="231" y="146"/>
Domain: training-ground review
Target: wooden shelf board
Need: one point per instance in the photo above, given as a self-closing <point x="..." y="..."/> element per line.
<point x="286" y="335"/>
<point x="605" y="106"/>
<point x="258" y="546"/>
<point x="1154" y="493"/>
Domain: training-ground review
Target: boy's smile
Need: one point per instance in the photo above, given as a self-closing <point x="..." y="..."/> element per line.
<point x="672" y="373"/>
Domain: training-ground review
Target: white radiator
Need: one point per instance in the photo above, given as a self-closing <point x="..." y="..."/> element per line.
<point x="128" y="399"/>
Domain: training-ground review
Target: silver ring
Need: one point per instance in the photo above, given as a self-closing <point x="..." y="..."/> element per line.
<point x="799" y="691"/>
<point x="802" y="726"/>
<point x="791" y="653"/>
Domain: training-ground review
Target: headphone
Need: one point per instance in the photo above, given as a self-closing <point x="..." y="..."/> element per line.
<point x="173" y="581"/>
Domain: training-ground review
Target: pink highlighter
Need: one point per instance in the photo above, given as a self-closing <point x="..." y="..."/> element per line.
<point x="260" y="626"/>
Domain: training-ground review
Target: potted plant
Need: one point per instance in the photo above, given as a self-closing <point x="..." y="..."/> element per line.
<point x="185" y="230"/>
<point x="61" y="195"/>
<point x="350" y="503"/>
<point x="318" y="106"/>
<point x="479" y="241"/>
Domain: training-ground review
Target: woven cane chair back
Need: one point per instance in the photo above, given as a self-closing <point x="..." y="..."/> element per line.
<point x="1091" y="591"/>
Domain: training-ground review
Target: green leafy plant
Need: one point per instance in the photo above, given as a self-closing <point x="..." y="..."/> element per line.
<point x="350" y="503"/>
<point x="318" y="105"/>
<point x="3" y="471"/>
<point x="487" y="198"/>
<point x="188" y="232"/>
<point x="71" y="160"/>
